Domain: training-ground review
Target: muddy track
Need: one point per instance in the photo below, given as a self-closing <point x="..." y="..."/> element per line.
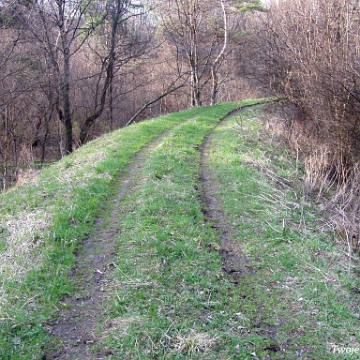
<point x="234" y="260"/>
<point x="75" y="329"/>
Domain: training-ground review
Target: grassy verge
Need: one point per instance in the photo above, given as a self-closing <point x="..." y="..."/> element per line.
<point x="43" y="222"/>
<point x="302" y="300"/>
<point x="171" y="297"/>
<point x="172" y="300"/>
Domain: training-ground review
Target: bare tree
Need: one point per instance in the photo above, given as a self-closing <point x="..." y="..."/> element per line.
<point x="217" y="62"/>
<point x="127" y="35"/>
<point x="202" y="35"/>
<point x="62" y="32"/>
<point x="313" y="47"/>
<point x="236" y="7"/>
<point x="16" y="68"/>
<point x="308" y="52"/>
<point x="184" y="23"/>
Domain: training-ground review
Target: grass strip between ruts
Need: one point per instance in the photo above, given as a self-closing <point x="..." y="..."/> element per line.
<point x="171" y="298"/>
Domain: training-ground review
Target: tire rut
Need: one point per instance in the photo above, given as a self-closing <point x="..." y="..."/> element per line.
<point x="234" y="260"/>
<point x="75" y="329"/>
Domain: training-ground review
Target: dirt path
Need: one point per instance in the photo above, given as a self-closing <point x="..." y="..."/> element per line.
<point x="234" y="260"/>
<point x="75" y="329"/>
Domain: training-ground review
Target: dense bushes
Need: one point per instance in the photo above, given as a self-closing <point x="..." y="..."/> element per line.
<point x="309" y="50"/>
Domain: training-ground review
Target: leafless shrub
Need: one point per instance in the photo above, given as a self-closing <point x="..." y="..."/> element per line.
<point x="307" y="51"/>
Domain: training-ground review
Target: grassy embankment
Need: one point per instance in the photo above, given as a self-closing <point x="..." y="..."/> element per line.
<point x="295" y="298"/>
<point x="303" y="298"/>
<point x="43" y="222"/>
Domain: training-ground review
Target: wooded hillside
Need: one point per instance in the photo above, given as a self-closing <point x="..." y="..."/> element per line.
<point x="72" y="70"/>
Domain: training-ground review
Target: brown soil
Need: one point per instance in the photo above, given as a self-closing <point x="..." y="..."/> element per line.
<point x="235" y="261"/>
<point x="75" y="328"/>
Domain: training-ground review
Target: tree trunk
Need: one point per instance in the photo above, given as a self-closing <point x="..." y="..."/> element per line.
<point x="219" y="58"/>
<point x="65" y="81"/>
<point x="87" y="125"/>
<point x="109" y="69"/>
<point x="145" y="106"/>
<point x="193" y="56"/>
<point x="111" y="107"/>
<point x="67" y="111"/>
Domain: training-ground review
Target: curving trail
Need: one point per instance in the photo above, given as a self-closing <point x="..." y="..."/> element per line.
<point x="201" y="232"/>
<point x="234" y="260"/>
<point x="75" y="330"/>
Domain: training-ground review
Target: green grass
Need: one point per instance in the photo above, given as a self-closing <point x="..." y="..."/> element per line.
<point x="43" y="222"/>
<point x="174" y="301"/>
<point x="169" y="301"/>
<point x="171" y="298"/>
<point x="301" y="278"/>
